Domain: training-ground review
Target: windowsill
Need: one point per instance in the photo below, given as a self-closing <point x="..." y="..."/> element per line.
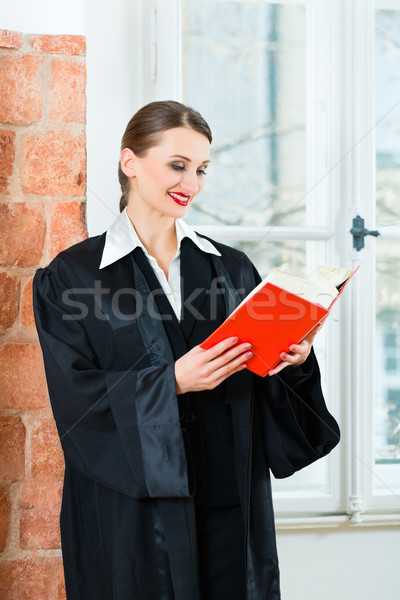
<point x="336" y="522"/>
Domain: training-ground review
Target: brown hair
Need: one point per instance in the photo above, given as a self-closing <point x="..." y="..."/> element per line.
<point x="146" y="126"/>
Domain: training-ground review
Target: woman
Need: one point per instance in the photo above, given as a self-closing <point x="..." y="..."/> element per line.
<point x="167" y="446"/>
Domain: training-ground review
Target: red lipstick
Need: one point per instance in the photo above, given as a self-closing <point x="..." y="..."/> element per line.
<point x="181" y="199"/>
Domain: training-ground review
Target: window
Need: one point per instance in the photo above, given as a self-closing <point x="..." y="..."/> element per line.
<point x="387" y="95"/>
<point x="300" y="148"/>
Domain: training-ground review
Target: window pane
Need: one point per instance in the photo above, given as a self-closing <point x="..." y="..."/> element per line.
<point x="387" y="422"/>
<point x="387" y="414"/>
<point x="244" y="70"/>
<point x="387" y="59"/>
<point x="289" y="255"/>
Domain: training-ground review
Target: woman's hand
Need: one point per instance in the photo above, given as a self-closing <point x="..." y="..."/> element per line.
<point x="200" y="369"/>
<point x="298" y="353"/>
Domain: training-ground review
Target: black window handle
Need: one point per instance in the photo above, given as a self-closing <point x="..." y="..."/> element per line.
<point x="359" y="232"/>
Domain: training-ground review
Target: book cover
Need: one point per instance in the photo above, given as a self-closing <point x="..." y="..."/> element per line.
<point x="271" y="319"/>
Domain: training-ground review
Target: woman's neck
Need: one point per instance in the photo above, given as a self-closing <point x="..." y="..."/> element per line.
<point x="155" y="231"/>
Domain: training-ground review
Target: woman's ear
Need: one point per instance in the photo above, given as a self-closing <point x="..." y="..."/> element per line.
<point x="128" y="162"/>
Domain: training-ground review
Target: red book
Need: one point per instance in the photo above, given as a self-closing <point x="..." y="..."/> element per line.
<point x="273" y="317"/>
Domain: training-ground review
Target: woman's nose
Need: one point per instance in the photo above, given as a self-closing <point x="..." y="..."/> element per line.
<point x="190" y="182"/>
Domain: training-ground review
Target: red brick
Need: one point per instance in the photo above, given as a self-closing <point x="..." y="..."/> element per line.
<point x="47" y="455"/>
<point x="40" y="504"/>
<point x="10" y="39"/>
<point x="21" y="96"/>
<point x="9" y="305"/>
<point x="26" y="580"/>
<point x="12" y="449"/>
<point x="67" y="91"/>
<point x="67" y="225"/>
<point x="22" y="378"/>
<point x="61" y="583"/>
<point x="59" y="44"/>
<point x="7" y="154"/>
<point x="27" y="318"/>
<point x="55" y="163"/>
<point x="5" y="508"/>
<point x="22" y="233"/>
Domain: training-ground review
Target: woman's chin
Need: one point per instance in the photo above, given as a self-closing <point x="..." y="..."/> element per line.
<point x="179" y="211"/>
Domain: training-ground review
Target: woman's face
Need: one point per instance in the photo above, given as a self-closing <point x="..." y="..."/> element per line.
<point x="171" y="173"/>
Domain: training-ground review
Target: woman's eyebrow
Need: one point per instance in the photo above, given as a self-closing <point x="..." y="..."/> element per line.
<point x="188" y="159"/>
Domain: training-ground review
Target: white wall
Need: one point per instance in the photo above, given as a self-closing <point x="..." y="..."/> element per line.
<point x="329" y="564"/>
<point x="43" y="16"/>
<point x="113" y="31"/>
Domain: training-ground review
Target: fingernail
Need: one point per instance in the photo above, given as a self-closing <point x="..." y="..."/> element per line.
<point x="248" y="354"/>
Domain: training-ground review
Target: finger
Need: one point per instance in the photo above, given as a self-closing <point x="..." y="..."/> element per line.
<point x="302" y="348"/>
<point x="229" y="373"/>
<point x="298" y="355"/>
<point x="226" y="368"/>
<point x="292" y="358"/>
<point x="279" y="367"/>
<point x="229" y="355"/>
<point x="216" y="350"/>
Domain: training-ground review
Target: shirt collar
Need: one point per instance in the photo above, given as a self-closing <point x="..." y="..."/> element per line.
<point x="121" y="239"/>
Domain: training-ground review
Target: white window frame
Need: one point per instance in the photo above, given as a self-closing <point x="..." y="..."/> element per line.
<point x="341" y="151"/>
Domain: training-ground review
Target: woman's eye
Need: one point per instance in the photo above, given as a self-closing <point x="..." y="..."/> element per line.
<point x="178" y="167"/>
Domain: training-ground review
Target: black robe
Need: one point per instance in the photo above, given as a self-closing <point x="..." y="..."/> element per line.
<point x="128" y="510"/>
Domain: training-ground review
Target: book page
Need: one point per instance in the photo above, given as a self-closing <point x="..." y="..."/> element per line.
<point x="329" y="277"/>
<point x="321" y="288"/>
<point x="313" y="292"/>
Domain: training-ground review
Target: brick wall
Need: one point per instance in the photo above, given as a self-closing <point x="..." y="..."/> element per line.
<point x="42" y="206"/>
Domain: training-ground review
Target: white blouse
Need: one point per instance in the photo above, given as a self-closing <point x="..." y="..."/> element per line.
<point x="121" y="239"/>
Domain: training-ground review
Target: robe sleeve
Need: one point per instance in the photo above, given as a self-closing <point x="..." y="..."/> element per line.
<point x="118" y="428"/>
<point x="298" y="428"/>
